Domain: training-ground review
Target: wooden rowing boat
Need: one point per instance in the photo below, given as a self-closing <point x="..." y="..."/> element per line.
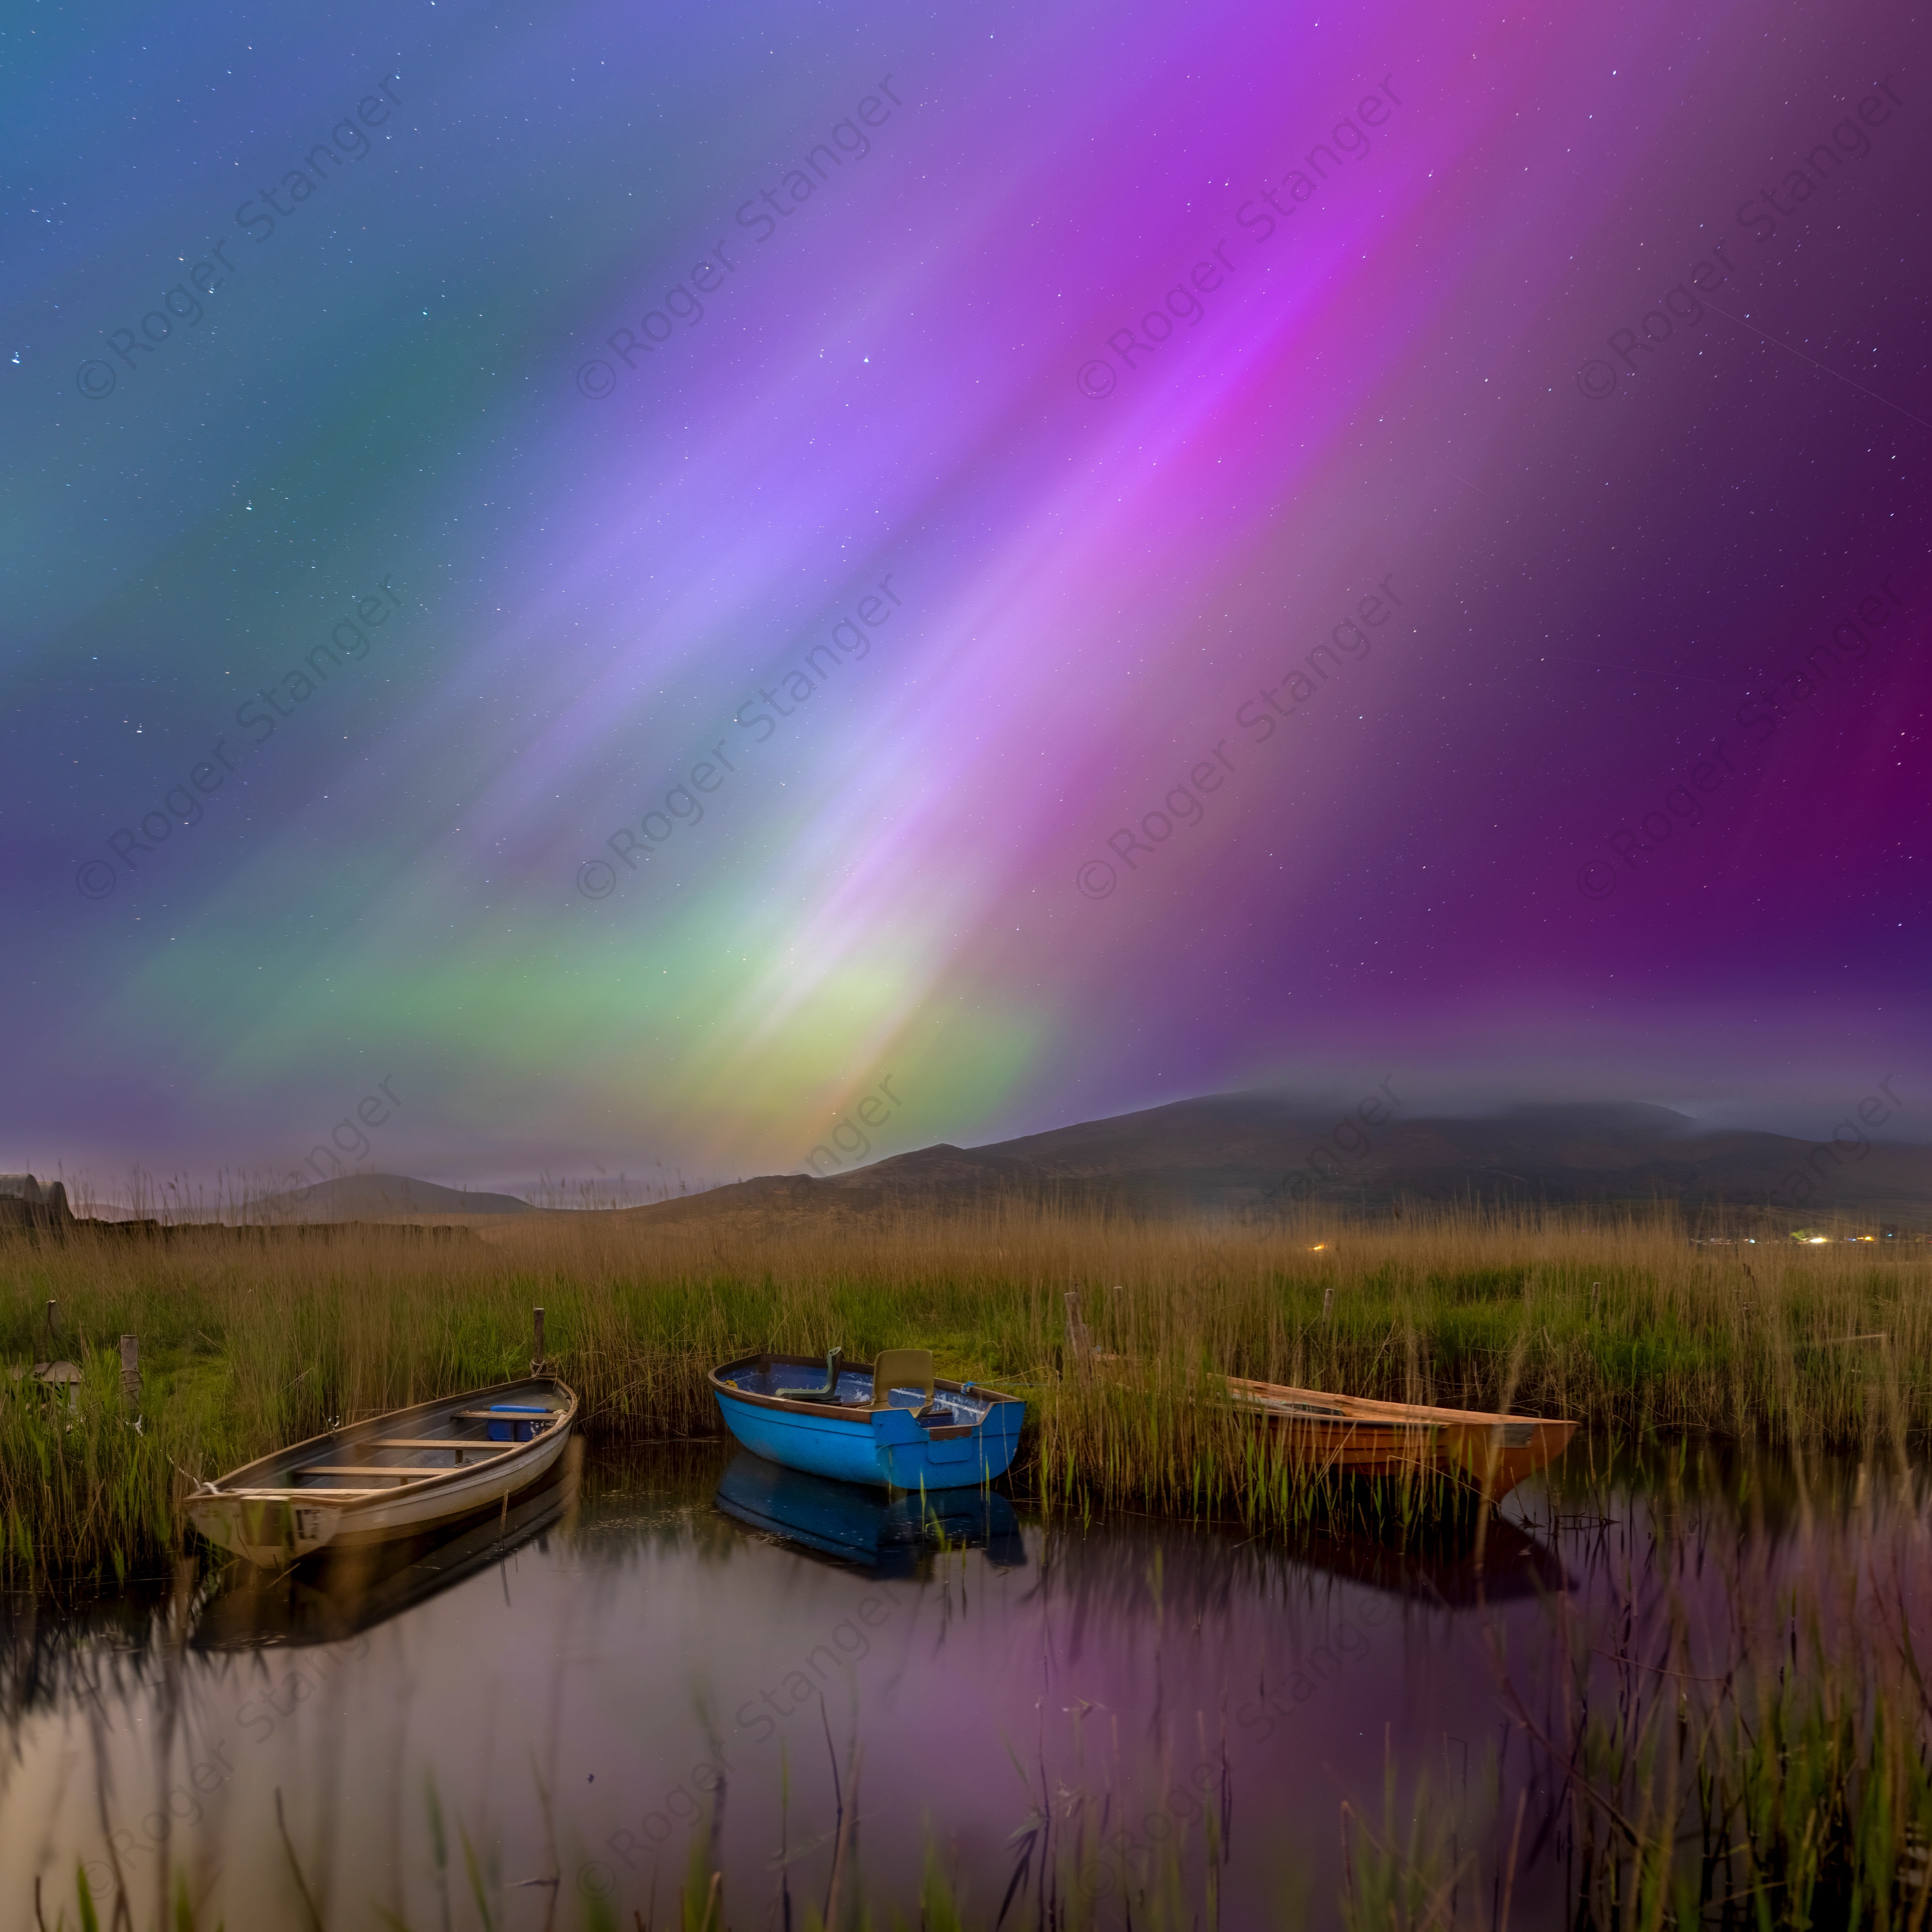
<point x="342" y="1593"/>
<point x="409" y="1472"/>
<point x="1355" y="1436"/>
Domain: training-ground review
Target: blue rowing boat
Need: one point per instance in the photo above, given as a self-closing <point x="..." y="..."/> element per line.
<point x="887" y="1423"/>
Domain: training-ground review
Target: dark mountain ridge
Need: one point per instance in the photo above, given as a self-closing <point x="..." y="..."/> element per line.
<point x="1246" y="1154"/>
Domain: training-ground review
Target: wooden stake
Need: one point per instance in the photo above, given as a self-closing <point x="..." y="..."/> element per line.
<point x="538" y="1365"/>
<point x="130" y="1369"/>
<point x="1078" y="1346"/>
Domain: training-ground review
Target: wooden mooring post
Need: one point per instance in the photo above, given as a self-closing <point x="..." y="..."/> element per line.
<point x="1079" y="1344"/>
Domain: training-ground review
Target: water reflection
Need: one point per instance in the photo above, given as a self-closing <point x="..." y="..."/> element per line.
<point x="548" y="1717"/>
<point x="890" y="1537"/>
<point x="338" y="1595"/>
<point x="1493" y="1563"/>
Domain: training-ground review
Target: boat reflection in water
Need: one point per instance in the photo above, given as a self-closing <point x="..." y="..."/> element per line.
<point x="886" y="1536"/>
<point x="1498" y="1562"/>
<point x="339" y="1593"/>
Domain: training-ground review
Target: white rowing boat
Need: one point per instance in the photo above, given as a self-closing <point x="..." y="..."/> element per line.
<point x="407" y="1473"/>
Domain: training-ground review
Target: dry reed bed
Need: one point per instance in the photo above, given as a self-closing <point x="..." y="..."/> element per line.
<point x="247" y="1341"/>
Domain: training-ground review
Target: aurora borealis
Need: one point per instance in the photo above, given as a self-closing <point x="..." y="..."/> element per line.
<point x="1152" y="375"/>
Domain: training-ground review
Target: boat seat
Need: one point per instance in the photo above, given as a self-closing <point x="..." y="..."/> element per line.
<point x="401" y="1471"/>
<point x="829" y="1392"/>
<point x="429" y="1442"/>
<point x="903" y="1368"/>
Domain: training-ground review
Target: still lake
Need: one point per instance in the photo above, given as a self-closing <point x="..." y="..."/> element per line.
<point x="682" y="1660"/>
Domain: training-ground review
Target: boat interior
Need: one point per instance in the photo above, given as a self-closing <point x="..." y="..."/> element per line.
<point x="908" y="1377"/>
<point x="390" y="1453"/>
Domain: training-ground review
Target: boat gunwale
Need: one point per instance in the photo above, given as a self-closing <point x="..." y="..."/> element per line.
<point x="349" y="1500"/>
<point x="845" y="1412"/>
<point x="1248" y="1393"/>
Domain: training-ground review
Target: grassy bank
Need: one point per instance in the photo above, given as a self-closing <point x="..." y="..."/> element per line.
<point x="247" y="1342"/>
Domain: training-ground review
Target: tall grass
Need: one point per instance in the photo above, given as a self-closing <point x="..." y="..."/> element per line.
<point x="251" y="1338"/>
<point x="1746" y="1739"/>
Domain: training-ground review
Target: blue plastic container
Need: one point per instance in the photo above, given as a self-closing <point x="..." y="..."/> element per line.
<point x="511" y="1429"/>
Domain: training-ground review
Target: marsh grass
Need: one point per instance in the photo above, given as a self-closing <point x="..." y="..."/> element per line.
<point x="250" y="1339"/>
<point x="1753" y="1746"/>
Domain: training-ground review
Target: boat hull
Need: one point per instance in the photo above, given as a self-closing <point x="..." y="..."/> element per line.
<point x="263" y="1512"/>
<point x="884" y="1448"/>
<point x="1350" y="1436"/>
<point x="346" y="1590"/>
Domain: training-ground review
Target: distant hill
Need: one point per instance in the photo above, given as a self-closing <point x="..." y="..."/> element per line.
<point x="1249" y="1155"/>
<point x="375" y="1197"/>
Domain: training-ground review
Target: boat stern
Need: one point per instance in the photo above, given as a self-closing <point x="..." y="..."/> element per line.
<point x="268" y="1531"/>
<point x="1494" y="1458"/>
<point x="961" y="1456"/>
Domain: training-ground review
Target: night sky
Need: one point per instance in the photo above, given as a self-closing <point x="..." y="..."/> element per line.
<point x="634" y="573"/>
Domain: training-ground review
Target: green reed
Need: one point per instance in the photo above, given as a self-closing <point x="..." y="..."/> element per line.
<point x="1775" y="1771"/>
<point x="251" y="1339"/>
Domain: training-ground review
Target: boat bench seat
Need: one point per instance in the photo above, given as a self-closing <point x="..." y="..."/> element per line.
<point x="432" y="1442"/>
<point x="402" y="1471"/>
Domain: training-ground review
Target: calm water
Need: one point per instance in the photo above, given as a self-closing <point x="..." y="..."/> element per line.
<point x="540" y="1723"/>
